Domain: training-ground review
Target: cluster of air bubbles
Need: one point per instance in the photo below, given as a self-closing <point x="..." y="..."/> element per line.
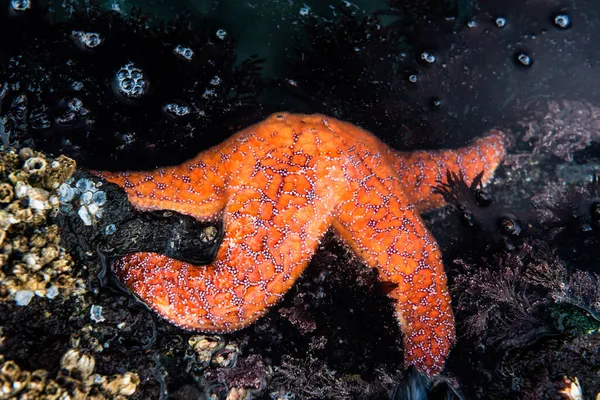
<point x="304" y="11"/>
<point x="221" y="34"/>
<point x="471" y="23"/>
<point x="562" y="21"/>
<point x="20" y="5"/>
<point x="75" y="109"/>
<point x="85" y="197"/>
<point x="130" y="81"/>
<point x="88" y="40"/>
<point x="428" y="57"/>
<point x="412" y="78"/>
<point x="524" y="59"/>
<point x="215" y="81"/>
<point x="178" y="110"/>
<point x="500" y="22"/>
<point x="184" y="52"/>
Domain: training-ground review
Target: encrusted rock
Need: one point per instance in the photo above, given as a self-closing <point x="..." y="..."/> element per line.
<point x="29" y="246"/>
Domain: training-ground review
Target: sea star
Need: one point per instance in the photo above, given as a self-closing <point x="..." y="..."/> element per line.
<point x="279" y="186"/>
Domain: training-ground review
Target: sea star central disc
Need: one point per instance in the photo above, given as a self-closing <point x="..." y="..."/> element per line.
<point x="279" y="185"/>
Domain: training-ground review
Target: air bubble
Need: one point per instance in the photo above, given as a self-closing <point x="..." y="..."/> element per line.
<point x="177" y="110"/>
<point x="89" y="40"/>
<point x="562" y="21"/>
<point x="221" y="34"/>
<point x="215" y="81"/>
<point x="428" y="57"/>
<point x="413" y="78"/>
<point x="127" y="83"/>
<point x="472" y="23"/>
<point x="184" y="52"/>
<point x="20" y="5"/>
<point x="500" y="22"/>
<point x="77" y="86"/>
<point x="524" y="59"/>
<point x="304" y="11"/>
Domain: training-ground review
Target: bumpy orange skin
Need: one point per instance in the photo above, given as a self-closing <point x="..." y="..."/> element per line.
<point x="279" y="185"/>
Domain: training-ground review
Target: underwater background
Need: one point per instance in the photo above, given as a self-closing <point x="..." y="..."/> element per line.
<point x="133" y="85"/>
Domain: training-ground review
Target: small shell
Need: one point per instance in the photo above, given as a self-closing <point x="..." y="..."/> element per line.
<point x="74" y="361"/>
<point x="122" y="385"/>
<point x="6" y="387"/>
<point x="38" y="199"/>
<point x="6" y="193"/>
<point x="38" y="240"/>
<point x="11" y="370"/>
<point x="35" y="165"/>
<point x="37" y="381"/>
<point x="22" y="190"/>
<point x="21" y="381"/>
<point x="227" y="356"/>
<point x="52" y="391"/>
<point x="237" y="394"/>
<point x="6" y="220"/>
<point x="26" y="153"/>
<point x="50" y="253"/>
<point x="209" y="234"/>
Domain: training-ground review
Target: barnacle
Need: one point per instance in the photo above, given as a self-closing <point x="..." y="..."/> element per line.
<point x="75" y="380"/>
<point x="29" y="246"/>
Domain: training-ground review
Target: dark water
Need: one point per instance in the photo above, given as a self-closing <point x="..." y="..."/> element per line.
<point x="115" y="87"/>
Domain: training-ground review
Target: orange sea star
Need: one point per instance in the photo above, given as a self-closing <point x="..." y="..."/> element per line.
<point x="278" y="186"/>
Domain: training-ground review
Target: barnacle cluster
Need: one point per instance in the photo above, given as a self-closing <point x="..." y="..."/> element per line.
<point x="84" y="198"/>
<point x="214" y="350"/>
<point x="75" y="380"/>
<point x="35" y="263"/>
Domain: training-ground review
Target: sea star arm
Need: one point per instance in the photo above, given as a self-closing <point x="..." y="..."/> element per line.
<point x="420" y="171"/>
<point x="388" y="234"/>
<point x="275" y="214"/>
<point x="194" y="188"/>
